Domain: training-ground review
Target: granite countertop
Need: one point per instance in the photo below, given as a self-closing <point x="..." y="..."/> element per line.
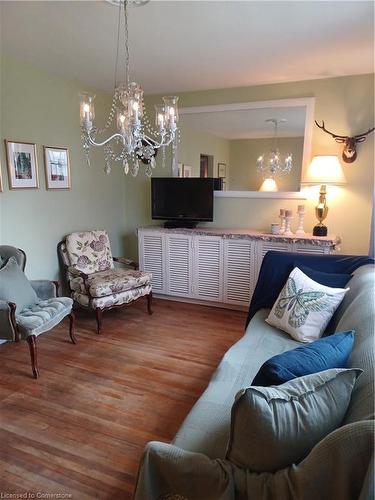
<point x="250" y="234"/>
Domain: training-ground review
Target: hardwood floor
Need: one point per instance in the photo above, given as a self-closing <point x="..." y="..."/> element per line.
<point x="81" y="427"/>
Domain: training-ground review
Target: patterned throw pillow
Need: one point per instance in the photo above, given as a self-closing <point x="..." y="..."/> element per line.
<point x="304" y="307"/>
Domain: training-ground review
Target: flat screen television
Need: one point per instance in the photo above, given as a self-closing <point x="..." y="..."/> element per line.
<point x="182" y="201"/>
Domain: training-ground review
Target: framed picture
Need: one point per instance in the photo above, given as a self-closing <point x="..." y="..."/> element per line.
<point x="57" y="167"/>
<point x="22" y="165"/>
<point x="187" y="171"/>
<point x="221" y="170"/>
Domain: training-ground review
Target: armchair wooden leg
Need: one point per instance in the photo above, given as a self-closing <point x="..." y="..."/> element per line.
<point x="99" y="319"/>
<point x="71" y="327"/>
<point x="149" y="303"/>
<point x="33" y="355"/>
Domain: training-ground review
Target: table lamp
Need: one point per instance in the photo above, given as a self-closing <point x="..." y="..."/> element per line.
<point x="323" y="170"/>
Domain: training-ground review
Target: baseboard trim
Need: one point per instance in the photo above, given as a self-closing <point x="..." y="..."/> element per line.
<point x="208" y="303"/>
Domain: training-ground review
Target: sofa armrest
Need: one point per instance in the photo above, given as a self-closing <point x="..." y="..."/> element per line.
<point x="126" y="262"/>
<point x="45" y="289"/>
<point x="339" y="466"/>
<point x="8" y="326"/>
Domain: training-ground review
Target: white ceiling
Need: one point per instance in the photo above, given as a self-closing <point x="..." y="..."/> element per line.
<point x="247" y="123"/>
<point x="191" y="45"/>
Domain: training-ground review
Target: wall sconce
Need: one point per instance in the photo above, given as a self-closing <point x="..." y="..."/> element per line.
<point x="323" y="170"/>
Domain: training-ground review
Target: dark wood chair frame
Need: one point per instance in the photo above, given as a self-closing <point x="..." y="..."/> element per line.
<point x="32" y="339"/>
<point x="99" y="311"/>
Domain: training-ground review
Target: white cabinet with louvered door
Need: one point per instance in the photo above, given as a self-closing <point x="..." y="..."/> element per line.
<point x="265" y="246"/>
<point x="208" y="268"/>
<point x="238" y="271"/>
<point x="212" y="266"/>
<point x="151" y="249"/>
<point x="179" y="265"/>
<point x="310" y="249"/>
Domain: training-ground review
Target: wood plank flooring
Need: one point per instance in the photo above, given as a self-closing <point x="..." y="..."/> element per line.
<point x="81" y="427"/>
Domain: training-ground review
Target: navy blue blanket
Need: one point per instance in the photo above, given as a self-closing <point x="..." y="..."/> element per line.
<point x="277" y="266"/>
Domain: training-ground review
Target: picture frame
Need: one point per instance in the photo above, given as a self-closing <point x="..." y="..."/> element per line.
<point x="22" y="165"/>
<point x="222" y="170"/>
<point x="57" y="167"/>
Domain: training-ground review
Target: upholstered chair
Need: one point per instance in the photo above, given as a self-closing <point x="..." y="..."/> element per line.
<point x="93" y="279"/>
<point x="28" y="308"/>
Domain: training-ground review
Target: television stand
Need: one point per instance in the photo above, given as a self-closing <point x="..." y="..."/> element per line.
<point x="177" y="224"/>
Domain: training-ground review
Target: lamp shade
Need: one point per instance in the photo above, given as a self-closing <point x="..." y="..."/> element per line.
<point x="324" y="170"/>
<point x="269" y="185"/>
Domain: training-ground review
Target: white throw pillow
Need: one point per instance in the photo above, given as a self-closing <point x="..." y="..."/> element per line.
<point x="304" y="307"/>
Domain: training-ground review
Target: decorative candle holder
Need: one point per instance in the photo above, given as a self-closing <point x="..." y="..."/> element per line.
<point x="301" y="216"/>
<point x="288" y="220"/>
<point x="282" y="221"/>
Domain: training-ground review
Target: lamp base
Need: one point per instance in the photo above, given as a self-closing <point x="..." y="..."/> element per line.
<point x="320" y="230"/>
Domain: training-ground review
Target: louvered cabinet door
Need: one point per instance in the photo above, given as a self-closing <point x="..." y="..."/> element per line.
<point x="265" y="246"/>
<point x="238" y="271"/>
<point x="152" y="258"/>
<point x="311" y="249"/>
<point x="208" y="268"/>
<point x="179" y="265"/>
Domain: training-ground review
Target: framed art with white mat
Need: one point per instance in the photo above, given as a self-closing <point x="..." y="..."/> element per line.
<point x="57" y="167"/>
<point x="22" y="165"/>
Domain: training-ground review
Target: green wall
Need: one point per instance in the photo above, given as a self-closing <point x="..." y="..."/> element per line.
<point x="42" y="108"/>
<point x="243" y="163"/>
<point x="347" y="106"/>
<point x="195" y="143"/>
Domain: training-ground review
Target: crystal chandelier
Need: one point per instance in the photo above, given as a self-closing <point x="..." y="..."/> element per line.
<point x="136" y="140"/>
<point x="271" y="164"/>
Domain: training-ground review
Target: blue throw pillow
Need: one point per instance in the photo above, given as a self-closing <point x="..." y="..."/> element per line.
<point x="323" y="354"/>
<point x="333" y="280"/>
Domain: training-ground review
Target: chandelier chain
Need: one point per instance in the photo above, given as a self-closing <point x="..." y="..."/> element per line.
<point x="117" y="45"/>
<point x="126" y="32"/>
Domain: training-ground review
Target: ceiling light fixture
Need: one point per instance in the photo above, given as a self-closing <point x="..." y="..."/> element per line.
<point x="271" y="164"/>
<point x="136" y="140"/>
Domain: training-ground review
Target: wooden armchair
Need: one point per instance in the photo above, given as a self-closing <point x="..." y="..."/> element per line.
<point x="28" y="308"/>
<point x="93" y="280"/>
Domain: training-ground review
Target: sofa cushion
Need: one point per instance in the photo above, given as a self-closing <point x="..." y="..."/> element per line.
<point x="358" y="311"/>
<point x="104" y="283"/>
<point x="333" y="280"/>
<point x="116" y="299"/>
<point x="43" y="316"/>
<point x="15" y="287"/>
<point x="325" y="353"/>
<point x="304" y="307"/>
<point x="274" y="427"/>
<point x="89" y="251"/>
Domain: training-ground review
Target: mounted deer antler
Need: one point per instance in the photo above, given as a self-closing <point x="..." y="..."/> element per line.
<point x="349" y="153"/>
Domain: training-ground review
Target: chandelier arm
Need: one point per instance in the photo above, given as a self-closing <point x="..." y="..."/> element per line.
<point x="106" y="141"/>
<point x="164" y="141"/>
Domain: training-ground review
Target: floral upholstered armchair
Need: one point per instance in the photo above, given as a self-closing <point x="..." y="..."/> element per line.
<point x="94" y="281"/>
<point x="28" y="308"/>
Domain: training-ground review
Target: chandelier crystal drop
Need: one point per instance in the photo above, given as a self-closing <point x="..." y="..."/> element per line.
<point x="136" y="141"/>
<point x="271" y="164"/>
